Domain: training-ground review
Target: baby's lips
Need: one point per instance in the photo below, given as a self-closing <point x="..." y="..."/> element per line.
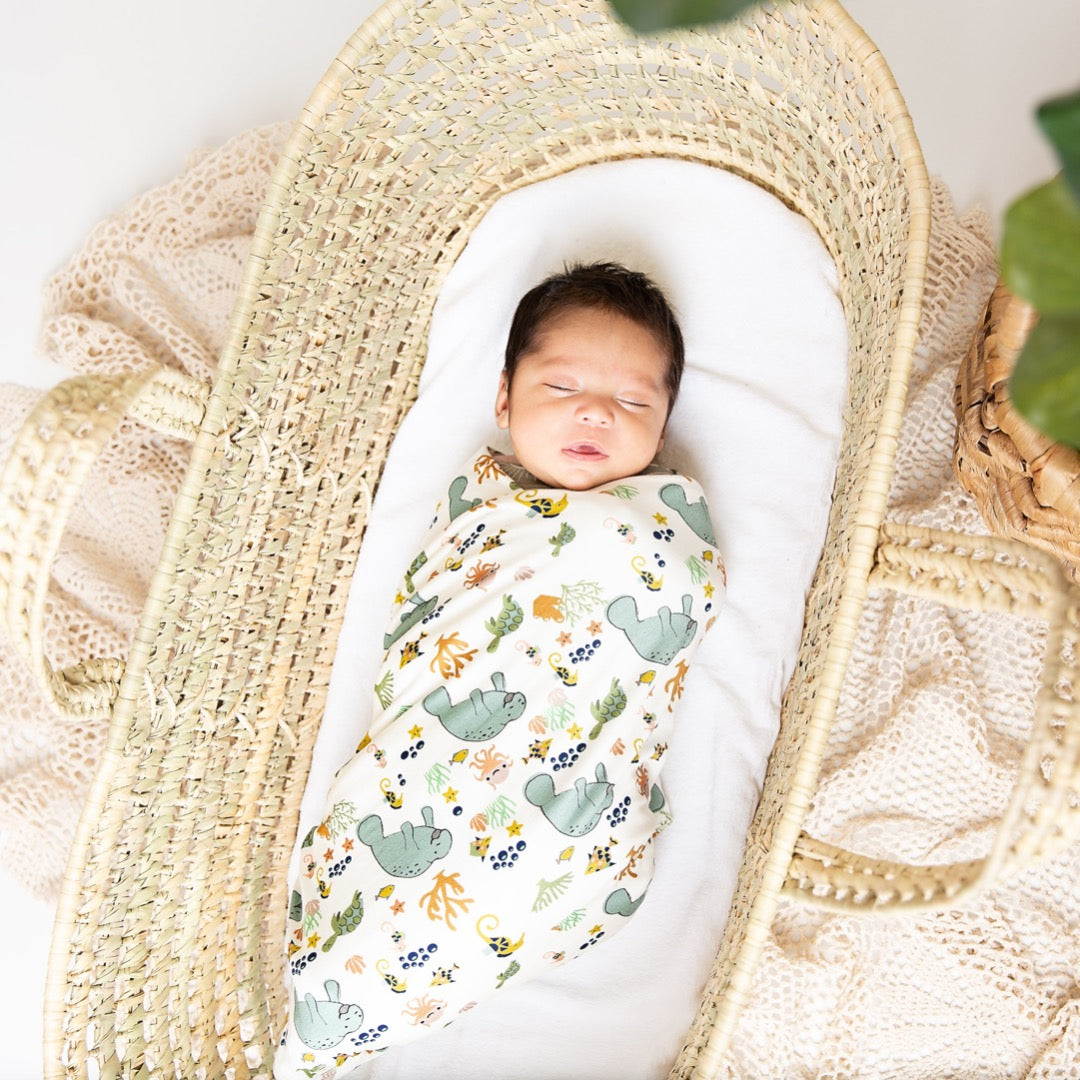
<point x="587" y="448"/>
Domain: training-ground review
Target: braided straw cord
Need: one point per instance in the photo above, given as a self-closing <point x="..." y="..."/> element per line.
<point x="1043" y="816"/>
<point x="1024" y="485"/>
<point x="40" y="483"/>
<point x="167" y="960"/>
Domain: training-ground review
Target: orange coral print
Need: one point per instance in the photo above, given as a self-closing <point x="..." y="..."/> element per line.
<point x="451" y="655"/>
<point x="485" y="467"/>
<point x="444" y="902"/>
<point x="674" y="685"/>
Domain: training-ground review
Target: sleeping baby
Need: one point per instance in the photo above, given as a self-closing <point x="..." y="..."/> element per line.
<point x="498" y="818"/>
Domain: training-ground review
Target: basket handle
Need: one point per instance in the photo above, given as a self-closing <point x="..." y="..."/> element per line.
<point x="40" y="483"/>
<point x="987" y="574"/>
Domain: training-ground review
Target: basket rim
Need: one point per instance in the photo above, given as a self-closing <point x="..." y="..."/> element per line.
<point x="864" y="541"/>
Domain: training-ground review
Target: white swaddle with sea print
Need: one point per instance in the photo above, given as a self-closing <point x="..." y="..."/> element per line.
<point x="497" y="819"/>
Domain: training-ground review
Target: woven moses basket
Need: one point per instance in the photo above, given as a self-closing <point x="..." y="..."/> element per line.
<point x="167" y="957"/>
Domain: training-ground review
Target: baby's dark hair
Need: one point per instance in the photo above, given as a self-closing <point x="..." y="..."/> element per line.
<point x="610" y="287"/>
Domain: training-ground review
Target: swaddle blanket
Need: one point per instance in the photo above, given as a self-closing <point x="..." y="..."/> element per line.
<point x="497" y="818"/>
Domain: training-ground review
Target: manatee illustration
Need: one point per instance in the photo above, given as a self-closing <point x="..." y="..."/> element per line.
<point x="696" y="514"/>
<point x="323" y="1024"/>
<point x="458" y="505"/>
<point x="482" y="715"/>
<point x="619" y="903"/>
<point x="577" y="810"/>
<point x="420" y="609"/>
<point x="657" y="638"/>
<point x="408" y="852"/>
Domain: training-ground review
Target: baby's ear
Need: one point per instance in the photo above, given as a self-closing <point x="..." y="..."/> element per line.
<point x="502" y="402"/>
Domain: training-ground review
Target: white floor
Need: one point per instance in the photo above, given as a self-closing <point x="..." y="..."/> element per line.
<point x="105" y="100"/>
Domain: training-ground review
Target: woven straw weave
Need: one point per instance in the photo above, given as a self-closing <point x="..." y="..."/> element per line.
<point x="167" y="954"/>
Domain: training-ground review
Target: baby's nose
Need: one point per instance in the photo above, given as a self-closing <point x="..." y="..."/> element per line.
<point x="596" y="411"/>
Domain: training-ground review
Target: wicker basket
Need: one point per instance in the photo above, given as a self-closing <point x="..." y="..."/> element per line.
<point x="167" y="956"/>
<point x="1025" y="485"/>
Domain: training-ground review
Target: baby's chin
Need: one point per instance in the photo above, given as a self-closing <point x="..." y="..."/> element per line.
<point x="574" y="477"/>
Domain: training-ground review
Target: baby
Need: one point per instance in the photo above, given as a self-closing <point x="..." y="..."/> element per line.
<point x="498" y="818"/>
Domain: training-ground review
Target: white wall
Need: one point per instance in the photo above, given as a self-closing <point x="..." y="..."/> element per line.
<point x="104" y="100"/>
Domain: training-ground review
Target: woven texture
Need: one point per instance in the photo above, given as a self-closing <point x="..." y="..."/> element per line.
<point x="167" y="950"/>
<point x="988" y="991"/>
<point x="1025" y="485"/>
<point x="183" y="844"/>
<point x="930" y="730"/>
<point x="152" y="285"/>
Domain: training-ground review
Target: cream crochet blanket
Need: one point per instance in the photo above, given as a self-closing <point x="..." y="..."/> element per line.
<point x="928" y="737"/>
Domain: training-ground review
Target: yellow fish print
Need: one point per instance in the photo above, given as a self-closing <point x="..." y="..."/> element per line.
<point x="564" y="674"/>
<point x="544" y="506"/>
<point x="398" y="986"/>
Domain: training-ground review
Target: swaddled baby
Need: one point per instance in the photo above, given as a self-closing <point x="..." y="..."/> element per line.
<point x="498" y="818"/>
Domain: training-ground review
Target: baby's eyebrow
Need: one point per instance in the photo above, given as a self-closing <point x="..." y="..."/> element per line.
<point x="645" y="386"/>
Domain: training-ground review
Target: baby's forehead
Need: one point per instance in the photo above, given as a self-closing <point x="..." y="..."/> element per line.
<point x="584" y="364"/>
<point x="570" y="325"/>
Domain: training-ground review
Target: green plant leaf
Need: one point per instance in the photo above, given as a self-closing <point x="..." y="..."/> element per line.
<point x="1059" y="119"/>
<point x="1040" y="248"/>
<point x="647" y="16"/>
<point x="1045" y="383"/>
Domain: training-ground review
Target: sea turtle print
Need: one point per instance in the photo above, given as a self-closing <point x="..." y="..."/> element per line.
<point x="498" y="817"/>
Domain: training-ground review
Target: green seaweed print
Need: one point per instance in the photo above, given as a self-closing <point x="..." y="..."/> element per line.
<point x="580" y="600"/>
<point x="572" y="919"/>
<point x="384" y="689"/>
<point x="699" y="572"/>
<point x="437" y="777"/>
<point x="547" y="892"/>
<point x="501" y="812"/>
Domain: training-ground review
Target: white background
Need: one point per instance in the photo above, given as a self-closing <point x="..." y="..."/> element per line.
<point x="104" y="100"/>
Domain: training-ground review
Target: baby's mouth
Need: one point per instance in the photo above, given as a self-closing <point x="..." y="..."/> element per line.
<point x="585" y="451"/>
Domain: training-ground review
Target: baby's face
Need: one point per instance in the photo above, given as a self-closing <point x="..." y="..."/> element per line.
<point x="588" y="402"/>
